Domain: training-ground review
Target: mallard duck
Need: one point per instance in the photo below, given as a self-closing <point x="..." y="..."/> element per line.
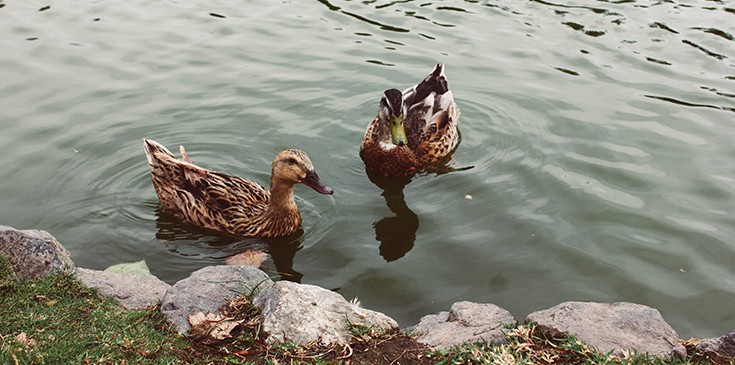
<point x="414" y="128"/>
<point x="230" y="204"/>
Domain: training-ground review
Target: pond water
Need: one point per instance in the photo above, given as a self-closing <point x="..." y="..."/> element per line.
<point x="597" y="143"/>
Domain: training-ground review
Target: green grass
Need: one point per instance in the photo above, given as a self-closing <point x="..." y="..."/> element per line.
<point x="57" y="320"/>
<point x="65" y="322"/>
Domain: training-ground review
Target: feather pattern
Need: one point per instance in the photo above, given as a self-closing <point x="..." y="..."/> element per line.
<point x="226" y="203"/>
<point x="430" y="118"/>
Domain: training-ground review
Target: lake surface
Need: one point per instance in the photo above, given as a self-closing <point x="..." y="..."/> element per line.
<point x="600" y="136"/>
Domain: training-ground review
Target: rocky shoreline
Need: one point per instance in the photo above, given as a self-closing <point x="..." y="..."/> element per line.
<point x="306" y="314"/>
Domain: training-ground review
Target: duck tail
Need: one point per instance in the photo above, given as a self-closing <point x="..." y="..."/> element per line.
<point x="438" y="70"/>
<point x="154" y="151"/>
<point x="435" y="82"/>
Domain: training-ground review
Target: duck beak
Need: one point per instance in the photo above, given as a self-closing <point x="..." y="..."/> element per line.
<point x="312" y="180"/>
<point x="398" y="131"/>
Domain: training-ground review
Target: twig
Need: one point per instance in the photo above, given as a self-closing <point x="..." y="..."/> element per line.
<point x="399" y="356"/>
<point x="347" y="347"/>
<point x="144" y="316"/>
<point x="667" y="340"/>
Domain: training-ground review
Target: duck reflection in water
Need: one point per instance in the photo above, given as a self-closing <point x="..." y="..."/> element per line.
<point x="188" y="239"/>
<point x="396" y="234"/>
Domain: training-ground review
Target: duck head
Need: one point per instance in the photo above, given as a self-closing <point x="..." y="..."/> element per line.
<point x="293" y="166"/>
<point x="392" y="113"/>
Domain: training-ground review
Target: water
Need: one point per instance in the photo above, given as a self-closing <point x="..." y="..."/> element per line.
<point x="600" y="136"/>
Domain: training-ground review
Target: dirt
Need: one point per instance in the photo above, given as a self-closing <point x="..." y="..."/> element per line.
<point x="389" y="349"/>
<point x="395" y="349"/>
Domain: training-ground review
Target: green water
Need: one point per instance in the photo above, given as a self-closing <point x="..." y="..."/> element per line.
<point x="600" y="134"/>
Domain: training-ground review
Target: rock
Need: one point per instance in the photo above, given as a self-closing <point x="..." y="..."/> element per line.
<point x="130" y="290"/>
<point x="34" y="254"/>
<point x="721" y="349"/>
<point x="465" y="322"/>
<point x="208" y="289"/>
<point x="134" y="268"/>
<point x="611" y="327"/>
<point x="307" y="314"/>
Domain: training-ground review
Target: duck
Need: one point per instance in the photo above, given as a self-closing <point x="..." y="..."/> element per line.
<point x="413" y="129"/>
<point x="230" y="204"/>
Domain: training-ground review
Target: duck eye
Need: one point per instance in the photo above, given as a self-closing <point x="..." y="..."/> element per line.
<point x="291" y="161"/>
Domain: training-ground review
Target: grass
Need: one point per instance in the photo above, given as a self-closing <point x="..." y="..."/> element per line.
<point x="56" y="320"/>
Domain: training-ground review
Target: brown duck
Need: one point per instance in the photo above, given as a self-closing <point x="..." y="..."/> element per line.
<point x="228" y="203"/>
<point x="414" y="128"/>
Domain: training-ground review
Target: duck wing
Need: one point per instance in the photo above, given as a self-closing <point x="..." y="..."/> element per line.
<point x="440" y="135"/>
<point x="204" y="197"/>
<point x="432" y="117"/>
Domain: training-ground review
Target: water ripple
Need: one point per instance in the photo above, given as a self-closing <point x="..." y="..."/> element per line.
<point x="581" y="28"/>
<point x="592" y="186"/>
<point x="663" y="26"/>
<point x="635" y="168"/>
<point x="373" y="22"/>
<point x="716" y="32"/>
<point x="685" y="103"/>
<point x="704" y="50"/>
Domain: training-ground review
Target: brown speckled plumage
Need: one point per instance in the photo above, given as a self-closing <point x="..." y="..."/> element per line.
<point x="430" y="125"/>
<point x="228" y="203"/>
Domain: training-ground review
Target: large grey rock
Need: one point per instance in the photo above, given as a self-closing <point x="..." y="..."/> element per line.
<point x="307" y="314"/>
<point x="465" y="322"/>
<point x="34" y="254"/>
<point x="612" y="327"/>
<point x="721" y="349"/>
<point x="131" y="291"/>
<point x="208" y="289"/>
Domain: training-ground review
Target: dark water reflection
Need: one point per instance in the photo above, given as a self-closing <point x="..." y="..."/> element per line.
<point x="397" y="233"/>
<point x="283" y="254"/>
<point x="178" y="235"/>
<point x="173" y="229"/>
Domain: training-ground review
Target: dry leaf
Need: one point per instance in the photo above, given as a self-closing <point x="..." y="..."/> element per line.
<point x="238" y="302"/>
<point x="223" y="330"/>
<point x="211" y="327"/>
<point x="202" y="323"/>
<point x="199" y="319"/>
<point x="252" y="258"/>
<point x="25" y="340"/>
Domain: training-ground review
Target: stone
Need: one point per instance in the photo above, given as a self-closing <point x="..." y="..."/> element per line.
<point x="34" y="254"/>
<point x="134" y="268"/>
<point x="721" y="349"/>
<point x="306" y="314"/>
<point x="208" y="289"/>
<point x="615" y="327"/>
<point x="465" y="322"/>
<point x="131" y="291"/>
